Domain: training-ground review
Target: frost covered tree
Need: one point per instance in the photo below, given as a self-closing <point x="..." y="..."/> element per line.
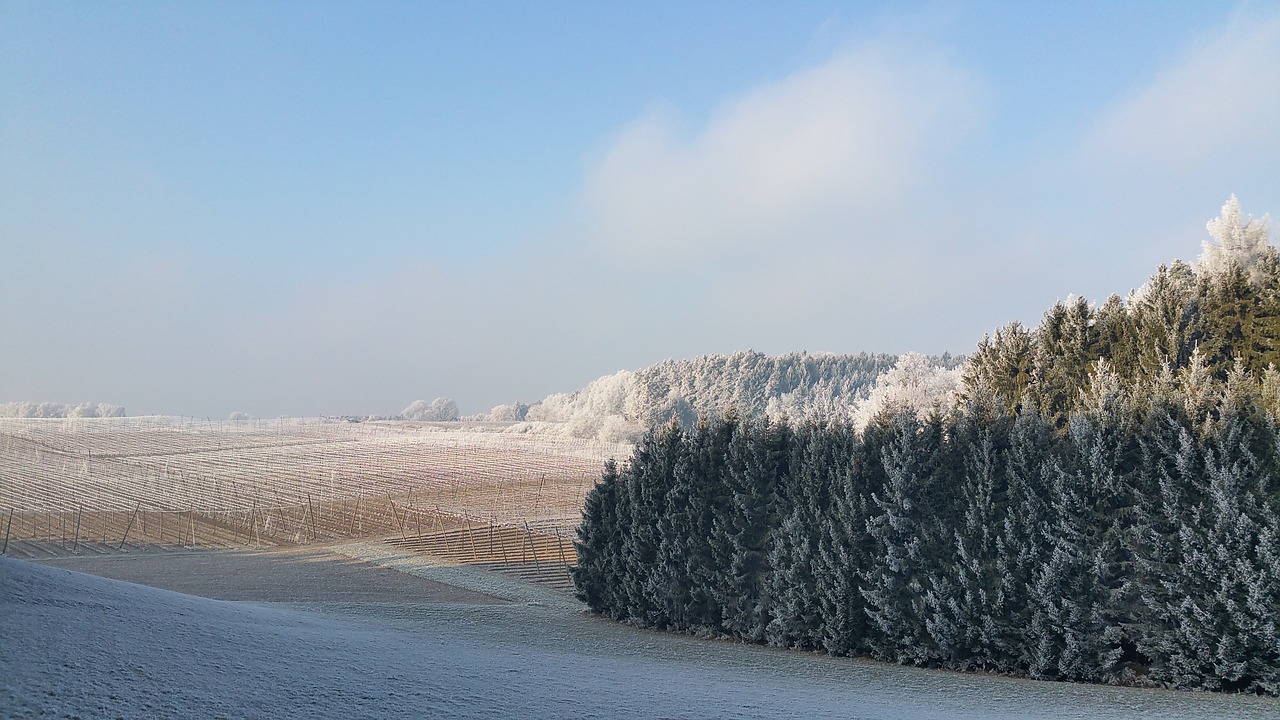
<point x="1235" y="240"/>
<point x="910" y="543"/>
<point x="914" y="384"/>
<point x="58" y="410"/>
<point x="439" y="410"/>
<point x="1001" y="365"/>
<point x="795" y="559"/>
<point x="758" y="465"/>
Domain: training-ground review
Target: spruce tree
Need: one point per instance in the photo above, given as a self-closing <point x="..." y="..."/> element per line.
<point x="907" y="541"/>
<point x="756" y="470"/>
<point x="804" y="510"/>
<point x="599" y="543"/>
<point x="845" y="546"/>
<point x="1023" y="544"/>
<point x="966" y="621"/>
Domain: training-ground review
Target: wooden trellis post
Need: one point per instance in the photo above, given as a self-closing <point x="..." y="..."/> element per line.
<point x="76" y="544"/>
<point x="129" y="526"/>
<point x="7" y="527"/>
<point x="529" y="534"/>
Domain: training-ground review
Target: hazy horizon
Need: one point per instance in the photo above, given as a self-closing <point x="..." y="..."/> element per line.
<point x="337" y="209"/>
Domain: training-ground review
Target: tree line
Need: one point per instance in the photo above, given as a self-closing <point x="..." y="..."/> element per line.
<point x="1100" y="501"/>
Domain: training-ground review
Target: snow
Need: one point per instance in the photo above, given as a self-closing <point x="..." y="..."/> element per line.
<point x="76" y="645"/>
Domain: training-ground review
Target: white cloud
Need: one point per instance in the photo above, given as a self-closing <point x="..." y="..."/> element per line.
<point x="1219" y="104"/>
<point x="786" y="163"/>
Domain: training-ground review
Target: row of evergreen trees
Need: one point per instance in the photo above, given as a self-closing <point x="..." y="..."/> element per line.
<point x="1141" y="545"/>
<point x="1101" y="504"/>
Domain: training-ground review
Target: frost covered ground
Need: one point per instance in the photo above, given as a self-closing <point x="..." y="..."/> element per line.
<point x="362" y="630"/>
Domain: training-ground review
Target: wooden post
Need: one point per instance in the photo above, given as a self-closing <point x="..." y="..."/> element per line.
<point x="396" y="513"/>
<point x="560" y="547"/>
<point x="312" y="510"/>
<point x="129" y="526"/>
<point x="354" y="513"/>
<point x="6" y="533"/>
<point x="472" y="537"/>
<point x="529" y="534"/>
<point x="76" y="545"/>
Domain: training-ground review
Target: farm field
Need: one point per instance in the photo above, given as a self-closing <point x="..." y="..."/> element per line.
<point x="94" y="485"/>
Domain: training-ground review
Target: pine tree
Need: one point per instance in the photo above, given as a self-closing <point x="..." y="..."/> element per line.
<point x="1163" y="312"/>
<point x="1082" y="595"/>
<point x="965" y="621"/>
<point x="757" y="468"/>
<point x="845" y="547"/>
<point x="1066" y="347"/>
<point x="906" y="540"/>
<point x="793" y="583"/>
<point x="1117" y="335"/>
<point x="647" y="479"/>
<point x="1023" y="544"/>
<point x="686" y="552"/>
<point x="598" y="544"/>
<point x="1227" y="324"/>
<point x="1002" y="365"/>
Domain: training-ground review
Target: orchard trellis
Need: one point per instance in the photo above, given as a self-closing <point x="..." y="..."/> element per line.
<point x="101" y="482"/>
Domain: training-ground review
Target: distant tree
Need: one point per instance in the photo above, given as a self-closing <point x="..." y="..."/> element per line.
<point x="439" y="410"/>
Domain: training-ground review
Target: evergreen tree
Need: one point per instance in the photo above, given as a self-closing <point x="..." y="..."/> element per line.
<point x="906" y="539"/>
<point x="965" y="620"/>
<point x="1023" y="544"/>
<point x="757" y="469"/>
<point x="794" y="559"/>
<point x="598" y="544"/>
<point x="687" y="529"/>
<point x="1163" y="312"/>
<point x="845" y="546"/>
<point x="648" y="478"/>
<point x="1002" y="365"/>
<point x="1081" y="594"/>
<point x="1067" y="345"/>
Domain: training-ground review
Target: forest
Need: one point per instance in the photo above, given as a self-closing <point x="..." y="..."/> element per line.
<point x="1097" y="500"/>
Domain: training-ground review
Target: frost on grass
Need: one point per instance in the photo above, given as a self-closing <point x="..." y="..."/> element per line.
<point x="78" y="645"/>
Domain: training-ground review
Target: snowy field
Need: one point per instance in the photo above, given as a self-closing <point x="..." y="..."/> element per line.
<point x="425" y="640"/>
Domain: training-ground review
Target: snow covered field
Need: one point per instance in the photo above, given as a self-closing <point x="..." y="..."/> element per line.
<point x="75" y="645"/>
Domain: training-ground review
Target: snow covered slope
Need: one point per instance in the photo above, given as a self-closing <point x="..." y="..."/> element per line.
<point x="77" y="645"/>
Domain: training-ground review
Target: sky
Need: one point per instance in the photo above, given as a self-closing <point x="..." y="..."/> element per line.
<point x="338" y="208"/>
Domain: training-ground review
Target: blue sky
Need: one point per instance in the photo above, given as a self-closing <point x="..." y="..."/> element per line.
<point x="306" y="208"/>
